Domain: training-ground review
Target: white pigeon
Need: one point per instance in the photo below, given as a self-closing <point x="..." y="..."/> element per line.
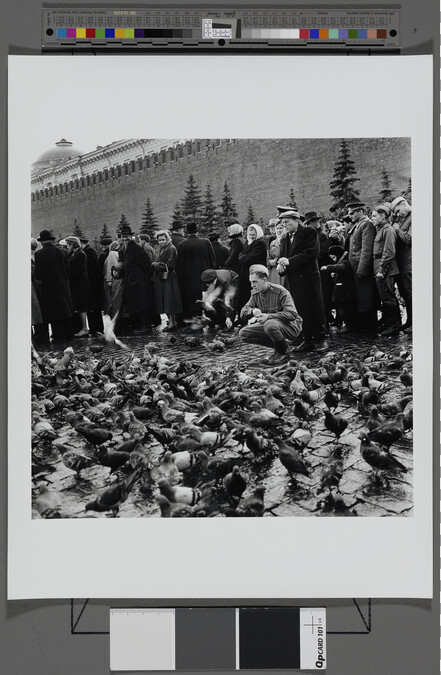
<point x="109" y="332"/>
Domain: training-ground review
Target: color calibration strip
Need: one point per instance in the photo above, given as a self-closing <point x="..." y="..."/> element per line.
<point x="125" y="33"/>
<point x="280" y="27"/>
<point x="218" y="638"/>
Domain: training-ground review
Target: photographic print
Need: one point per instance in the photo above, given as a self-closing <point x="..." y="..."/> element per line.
<point x="220" y="349"/>
<point x="222" y="328"/>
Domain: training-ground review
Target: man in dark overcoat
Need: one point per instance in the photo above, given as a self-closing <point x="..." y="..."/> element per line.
<point x="177" y="235"/>
<point x="360" y="244"/>
<point x="312" y="218"/>
<point x="195" y="255"/>
<point x="402" y="212"/>
<point x="298" y="266"/>
<point x="96" y="280"/>
<point x="52" y="276"/>
<point x="138" y="287"/>
<point x="221" y="251"/>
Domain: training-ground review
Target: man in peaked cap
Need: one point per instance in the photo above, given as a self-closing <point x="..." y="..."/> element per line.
<point x="402" y="212"/>
<point x="271" y="314"/>
<point x="298" y="267"/>
<point x="360" y="243"/>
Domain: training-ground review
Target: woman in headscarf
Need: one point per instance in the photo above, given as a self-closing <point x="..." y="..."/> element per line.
<point x="165" y="281"/>
<point x="274" y="254"/>
<point x="79" y="284"/>
<point x="237" y="242"/>
<point x="254" y="253"/>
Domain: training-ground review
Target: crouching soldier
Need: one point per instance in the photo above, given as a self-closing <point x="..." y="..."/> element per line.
<point x="271" y="315"/>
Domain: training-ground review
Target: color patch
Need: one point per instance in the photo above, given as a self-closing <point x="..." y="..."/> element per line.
<point x="81" y="33"/>
<point x="372" y="34"/>
<point x="119" y="32"/>
<point x="304" y="33"/>
<point x="129" y="33"/>
<point x="100" y="32"/>
<point x="342" y="33"/>
<point x="90" y="32"/>
<point x="333" y="34"/>
<point x="71" y="32"/>
<point x="110" y="32"/>
<point x="139" y="32"/>
<point x="206" y="639"/>
<point x="314" y="34"/>
<point x="268" y="638"/>
<point x="323" y="34"/>
<point x="382" y="34"/>
<point x="362" y="33"/>
<point x="352" y="33"/>
<point x="142" y="640"/>
<point x="61" y="33"/>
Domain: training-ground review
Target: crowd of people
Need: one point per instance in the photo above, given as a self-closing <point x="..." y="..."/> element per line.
<point x="292" y="285"/>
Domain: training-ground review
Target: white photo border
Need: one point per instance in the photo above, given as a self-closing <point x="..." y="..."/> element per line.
<point x="192" y="96"/>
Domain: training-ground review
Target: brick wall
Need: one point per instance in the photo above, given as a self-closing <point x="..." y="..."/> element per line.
<point x="257" y="171"/>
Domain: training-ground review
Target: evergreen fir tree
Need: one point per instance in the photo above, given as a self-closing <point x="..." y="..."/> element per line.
<point x="192" y="201"/>
<point x="104" y="231"/>
<point x="177" y="215"/>
<point x="122" y="221"/>
<point x="292" y="198"/>
<point x="251" y="218"/>
<point x="149" y="220"/>
<point x="342" y="185"/>
<point x="386" y="193"/>
<point x="77" y="231"/>
<point x="228" y="207"/>
<point x="407" y="193"/>
<point x="209" y="218"/>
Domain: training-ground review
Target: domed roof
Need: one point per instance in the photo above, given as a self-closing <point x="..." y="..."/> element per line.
<point x="62" y="151"/>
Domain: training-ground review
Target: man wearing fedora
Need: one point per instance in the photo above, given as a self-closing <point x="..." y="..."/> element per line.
<point x="195" y="255"/>
<point x="138" y="287"/>
<point x="52" y="276"/>
<point x="298" y="267"/>
<point x="402" y="212"/>
<point x="360" y="244"/>
<point x="177" y="233"/>
<point x="312" y="218"/>
<point x="96" y="280"/>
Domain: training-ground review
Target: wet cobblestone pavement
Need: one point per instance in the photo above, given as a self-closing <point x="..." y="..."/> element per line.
<point x="361" y="491"/>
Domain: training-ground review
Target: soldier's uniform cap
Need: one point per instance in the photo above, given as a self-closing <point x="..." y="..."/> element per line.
<point x="355" y="205"/>
<point x="395" y="202"/>
<point x="259" y="268"/>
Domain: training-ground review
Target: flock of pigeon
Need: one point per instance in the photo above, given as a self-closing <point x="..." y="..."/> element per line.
<point x="195" y="441"/>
